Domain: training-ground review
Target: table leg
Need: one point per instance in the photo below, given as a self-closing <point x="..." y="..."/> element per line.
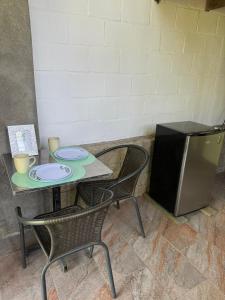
<point x="56" y="192"/>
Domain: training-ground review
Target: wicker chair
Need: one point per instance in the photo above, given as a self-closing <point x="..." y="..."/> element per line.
<point x="123" y="186"/>
<point x="70" y="230"/>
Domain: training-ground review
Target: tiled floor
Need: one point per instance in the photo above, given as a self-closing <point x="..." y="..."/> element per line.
<point x="175" y="261"/>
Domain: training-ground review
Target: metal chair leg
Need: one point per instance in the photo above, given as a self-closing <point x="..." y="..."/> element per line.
<point x="109" y="268"/>
<point x="91" y="249"/>
<point x="117" y="204"/>
<point x="43" y="283"/>
<point x="61" y="258"/>
<point x="64" y="265"/>
<point x="76" y="197"/>
<point x="22" y="246"/>
<point x="139" y="216"/>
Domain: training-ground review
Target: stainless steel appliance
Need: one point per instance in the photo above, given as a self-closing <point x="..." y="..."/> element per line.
<point x="184" y="165"/>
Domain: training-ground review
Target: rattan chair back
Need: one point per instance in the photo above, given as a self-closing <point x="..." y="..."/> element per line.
<point x="62" y="231"/>
<point x="135" y="160"/>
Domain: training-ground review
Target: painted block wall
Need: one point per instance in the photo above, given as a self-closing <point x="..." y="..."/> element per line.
<point x="110" y="69"/>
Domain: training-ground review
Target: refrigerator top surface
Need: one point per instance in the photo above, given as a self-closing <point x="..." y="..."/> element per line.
<point x="191" y="128"/>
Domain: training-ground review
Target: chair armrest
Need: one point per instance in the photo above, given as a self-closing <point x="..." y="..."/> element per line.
<point x="44" y="220"/>
<point x="110" y="149"/>
<point x="20" y="218"/>
<point x="64" y="217"/>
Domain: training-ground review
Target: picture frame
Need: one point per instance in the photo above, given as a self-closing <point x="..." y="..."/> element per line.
<point x="22" y="139"/>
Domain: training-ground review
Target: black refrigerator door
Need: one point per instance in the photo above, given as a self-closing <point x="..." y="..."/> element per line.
<point x="166" y="166"/>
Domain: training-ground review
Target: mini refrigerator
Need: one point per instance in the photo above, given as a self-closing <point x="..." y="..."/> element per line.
<point x="184" y="164"/>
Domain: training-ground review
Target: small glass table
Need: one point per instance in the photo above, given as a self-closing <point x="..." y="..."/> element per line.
<point x="92" y="171"/>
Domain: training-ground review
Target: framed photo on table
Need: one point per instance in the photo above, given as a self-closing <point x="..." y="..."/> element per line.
<point x="22" y="139"/>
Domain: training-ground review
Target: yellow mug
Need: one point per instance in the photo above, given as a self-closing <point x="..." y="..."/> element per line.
<point x="23" y="162"/>
<point x="53" y="143"/>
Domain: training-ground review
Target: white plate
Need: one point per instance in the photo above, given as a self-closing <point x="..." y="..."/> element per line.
<point x="50" y="172"/>
<point x="71" y="153"/>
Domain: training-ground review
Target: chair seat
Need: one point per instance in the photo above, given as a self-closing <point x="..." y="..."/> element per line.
<point x="42" y="233"/>
<point x="85" y="190"/>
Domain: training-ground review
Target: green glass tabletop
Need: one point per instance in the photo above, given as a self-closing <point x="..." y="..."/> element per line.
<point x="24" y="181"/>
<point x="84" y="169"/>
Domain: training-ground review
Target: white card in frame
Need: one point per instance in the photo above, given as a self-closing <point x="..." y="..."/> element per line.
<point x="22" y="139"/>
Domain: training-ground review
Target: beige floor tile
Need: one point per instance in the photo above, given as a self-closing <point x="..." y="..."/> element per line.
<point x="168" y="265"/>
<point x="174" y="262"/>
<point x="204" y="291"/>
<point x="180" y="235"/>
<point x="209" y="260"/>
<point x="82" y="281"/>
<point x="17" y="283"/>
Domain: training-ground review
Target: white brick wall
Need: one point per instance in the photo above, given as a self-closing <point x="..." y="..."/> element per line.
<point x="109" y="69"/>
<point x="105" y="9"/>
<point x="85" y="30"/>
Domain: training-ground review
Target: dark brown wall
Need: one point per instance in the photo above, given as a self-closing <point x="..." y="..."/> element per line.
<point x="17" y="93"/>
<point x="17" y="106"/>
